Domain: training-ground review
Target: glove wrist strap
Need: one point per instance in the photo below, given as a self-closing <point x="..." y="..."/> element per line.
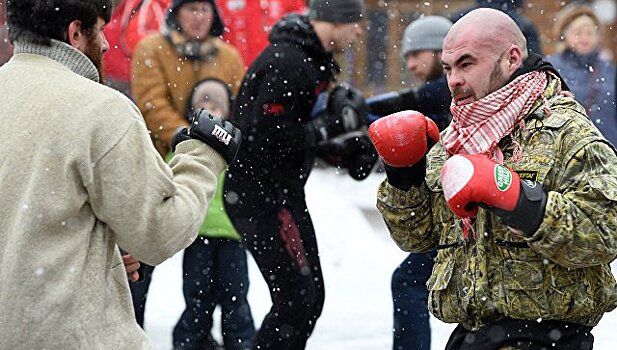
<point x="405" y="178"/>
<point x="529" y="211"/>
<point x="180" y="135"/>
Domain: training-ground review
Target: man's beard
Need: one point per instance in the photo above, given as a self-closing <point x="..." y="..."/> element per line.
<point x="497" y="80"/>
<point x="95" y="54"/>
<point x="498" y="77"/>
<point x="436" y="69"/>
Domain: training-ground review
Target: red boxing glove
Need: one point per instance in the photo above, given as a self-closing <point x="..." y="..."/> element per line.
<point x="471" y="179"/>
<point x="402" y="138"/>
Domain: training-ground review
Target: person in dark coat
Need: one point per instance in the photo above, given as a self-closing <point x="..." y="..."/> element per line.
<point x="264" y="190"/>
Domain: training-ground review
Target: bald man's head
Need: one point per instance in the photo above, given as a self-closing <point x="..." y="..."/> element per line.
<point x="480" y="53"/>
<point x="489" y="27"/>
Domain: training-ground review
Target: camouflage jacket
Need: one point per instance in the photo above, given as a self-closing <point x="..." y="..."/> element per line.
<point x="562" y="271"/>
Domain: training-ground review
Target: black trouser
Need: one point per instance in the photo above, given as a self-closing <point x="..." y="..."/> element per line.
<point x="523" y="335"/>
<point x="215" y="273"/>
<point x="139" y="292"/>
<point x="284" y="247"/>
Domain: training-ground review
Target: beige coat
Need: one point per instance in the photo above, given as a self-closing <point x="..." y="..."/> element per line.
<point x="162" y="81"/>
<point x="79" y="177"/>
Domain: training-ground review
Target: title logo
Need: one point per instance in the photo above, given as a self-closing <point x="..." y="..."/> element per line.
<point x="530" y="175"/>
<point x="221" y="134"/>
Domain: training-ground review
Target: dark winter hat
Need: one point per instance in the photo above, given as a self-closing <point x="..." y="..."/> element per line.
<point x="425" y="33"/>
<point x="336" y="11"/>
<point x="217" y="23"/>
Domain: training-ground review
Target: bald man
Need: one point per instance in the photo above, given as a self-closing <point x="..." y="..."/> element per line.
<point x="518" y="197"/>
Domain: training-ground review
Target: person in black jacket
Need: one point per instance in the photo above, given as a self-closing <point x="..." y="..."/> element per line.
<point x="264" y="189"/>
<point x="421" y="48"/>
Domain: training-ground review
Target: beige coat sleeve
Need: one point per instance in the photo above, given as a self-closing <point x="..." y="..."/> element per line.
<point x="154" y="210"/>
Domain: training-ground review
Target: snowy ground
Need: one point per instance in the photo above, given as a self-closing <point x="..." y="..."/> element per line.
<point x="358" y="258"/>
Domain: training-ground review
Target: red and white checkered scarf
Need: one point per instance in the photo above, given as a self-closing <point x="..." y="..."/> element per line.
<point x="479" y="126"/>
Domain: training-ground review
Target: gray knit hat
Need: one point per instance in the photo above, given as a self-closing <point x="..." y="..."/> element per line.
<point x="336" y="11"/>
<point x="425" y="33"/>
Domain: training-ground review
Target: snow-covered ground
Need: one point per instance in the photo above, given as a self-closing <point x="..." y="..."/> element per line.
<point x="358" y="258"/>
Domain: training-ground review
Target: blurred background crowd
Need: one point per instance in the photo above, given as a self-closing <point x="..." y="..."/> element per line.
<point x="375" y="65"/>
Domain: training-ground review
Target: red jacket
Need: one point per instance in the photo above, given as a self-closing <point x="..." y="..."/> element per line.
<point x="6" y="49"/>
<point x="248" y="22"/>
<point x="130" y="22"/>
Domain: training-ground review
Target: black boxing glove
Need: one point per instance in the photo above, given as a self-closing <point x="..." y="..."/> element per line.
<point x="392" y="102"/>
<point x="355" y="153"/>
<point x="345" y="111"/>
<point x="214" y="131"/>
<point x="361" y="156"/>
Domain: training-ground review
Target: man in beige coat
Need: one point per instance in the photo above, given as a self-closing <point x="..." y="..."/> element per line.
<point x="80" y="177"/>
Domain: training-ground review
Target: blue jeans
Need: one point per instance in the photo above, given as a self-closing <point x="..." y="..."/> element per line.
<point x="215" y="273"/>
<point x="410" y="298"/>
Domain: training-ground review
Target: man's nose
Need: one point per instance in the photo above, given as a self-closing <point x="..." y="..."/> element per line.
<point x="104" y="43"/>
<point x="412" y="64"/>
<point x="455" y="81"/>
<point x="359" y="31"/>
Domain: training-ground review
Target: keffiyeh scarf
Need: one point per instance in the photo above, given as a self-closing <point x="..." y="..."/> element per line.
<point x="479" y="126"/>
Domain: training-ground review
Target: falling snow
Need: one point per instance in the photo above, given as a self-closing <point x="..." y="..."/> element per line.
<point x="358" y="259"/>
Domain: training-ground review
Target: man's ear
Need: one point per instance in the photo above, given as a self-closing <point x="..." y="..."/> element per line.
<point x="515" y="58"/>
<point x="75" y="36"/>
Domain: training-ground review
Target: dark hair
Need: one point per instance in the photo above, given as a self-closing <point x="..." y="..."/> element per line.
<point x="217" y="27"/>
<point x="39" y="21"/>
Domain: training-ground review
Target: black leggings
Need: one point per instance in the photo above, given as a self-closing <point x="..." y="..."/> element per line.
<point x="523" y="335"/>
<point x="284" y="247"/>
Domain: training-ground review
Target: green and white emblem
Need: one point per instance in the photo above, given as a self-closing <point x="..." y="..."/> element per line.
<point x="503" y="177"/>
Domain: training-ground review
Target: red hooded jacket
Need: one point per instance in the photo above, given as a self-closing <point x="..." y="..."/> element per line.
<point x="248" y="22"/>
<point x="6" y="49"/>
<point x="130" y="22"/>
